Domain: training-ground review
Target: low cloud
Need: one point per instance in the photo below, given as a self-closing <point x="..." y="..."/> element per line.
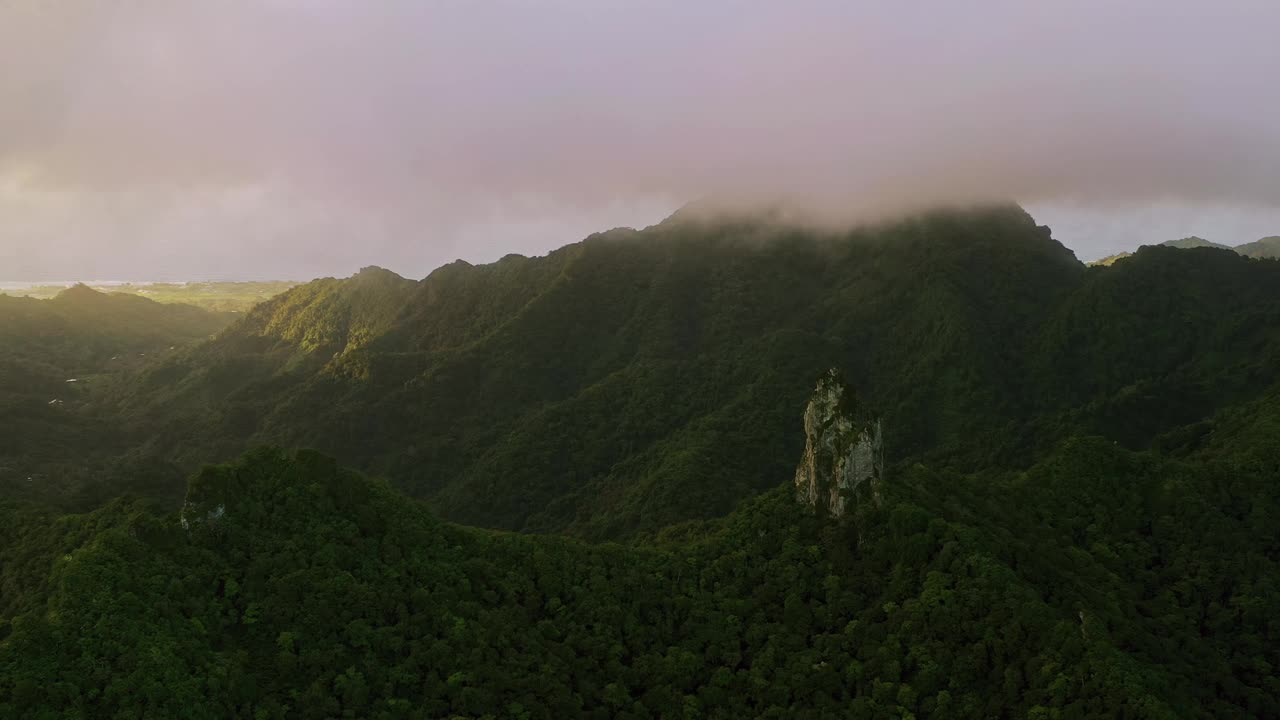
<point x="294" y="137"/>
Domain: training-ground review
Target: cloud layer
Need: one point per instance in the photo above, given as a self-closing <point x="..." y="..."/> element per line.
<point x="297" y="138"/>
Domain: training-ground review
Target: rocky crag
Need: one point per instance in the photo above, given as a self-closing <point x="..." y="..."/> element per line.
<point x="844" y="451"/>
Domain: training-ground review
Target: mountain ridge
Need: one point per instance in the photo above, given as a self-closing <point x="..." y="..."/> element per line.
<point x="1068" y="510"/>
<point x="1267" y="247"/>
<point x="494" y="382"/>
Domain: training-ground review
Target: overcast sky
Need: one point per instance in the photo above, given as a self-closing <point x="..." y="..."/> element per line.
<point x="167" y="139"/>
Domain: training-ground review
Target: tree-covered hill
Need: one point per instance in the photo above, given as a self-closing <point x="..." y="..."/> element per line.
<point x="212" y="295"/>
<point x="81" y="329"/>
<point x="1187" y="243"/>
<point x="1267" y="247"/>
<point x="1100" y="582"/>
<point x="57" y="356"/>
<point x="626" y="381"/>
<point x="1077" y="516"/>
<point x="1162" y="341"/>
<point x="641" y="378"/>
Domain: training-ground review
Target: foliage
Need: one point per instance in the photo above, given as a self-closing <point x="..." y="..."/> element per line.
<point x="212" y="295"/>
<point x="639" y="379"/>
<point x="57" y="358"/>
<point x="1267" y="247"/>
<point x="1100" y="583"/>
<point x="1078" y="521"/>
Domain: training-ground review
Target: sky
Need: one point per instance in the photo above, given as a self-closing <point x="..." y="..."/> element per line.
<point x="159" y="140"/>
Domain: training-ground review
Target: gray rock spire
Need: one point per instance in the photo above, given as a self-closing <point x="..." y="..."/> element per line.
<point x="843" y="453"/>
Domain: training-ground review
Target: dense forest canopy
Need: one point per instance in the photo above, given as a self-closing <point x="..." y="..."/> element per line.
<point x="1078" y="518"/>
<point x="58" y="357"/>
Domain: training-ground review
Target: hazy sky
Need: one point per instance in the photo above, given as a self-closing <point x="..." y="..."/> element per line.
<point x="172" y="139"/>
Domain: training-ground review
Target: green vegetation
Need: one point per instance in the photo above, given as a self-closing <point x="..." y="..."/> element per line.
<point x="1267" y="247"/>
<point x="212" y="295"/>
<point x="1078" y="514"/>
<point x="1099" y="583"/>
<point x="57" y="357"/>
<point x="1187" y="243"/>
<point x="640" y="379"/>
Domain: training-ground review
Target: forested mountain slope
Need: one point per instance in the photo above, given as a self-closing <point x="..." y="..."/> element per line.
<point x="1076" y="517"/>
<point x="81" y="329"/>
<point x="57" y="356"/>
<point x="1099" y="583"/>
<point x="1267" y="247"/>
<point x="637" y="379"/>
<point x="625" y="381"/>
<point x="1187" y="243"/>
<point x="212" y="295"/>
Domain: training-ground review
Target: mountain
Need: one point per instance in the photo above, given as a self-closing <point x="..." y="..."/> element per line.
<point x="212" y="295"/>
<point x="1267" y="247"/>
<point x="81" y="329"/>
<point x="931" y="468"/>
<point x="1194" y="242"/>
<point x="643" y="378"/>
<point x="57" y="356"/>
<point x="1110" y="259"/>
<point x="628" y="381"/>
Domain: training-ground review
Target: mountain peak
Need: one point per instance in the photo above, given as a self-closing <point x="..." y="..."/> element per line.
<point x="373" y="272"/>
<point x="1267" y="247"/>
<point x="79" y="293"/>
<point x="1194" y="242"/>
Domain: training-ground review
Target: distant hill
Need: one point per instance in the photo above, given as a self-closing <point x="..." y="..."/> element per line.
<point x="57" y="356"/>
<point x="1194" y="242"/>
<point x="80" y="328"/>
<point x="1110" y="259"/>
<point x="1072" y="510"/>
<point x="1267" y="247"/>
<point x="216" y="296"/>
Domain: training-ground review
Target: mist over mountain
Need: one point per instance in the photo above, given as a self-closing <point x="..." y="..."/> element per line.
<point x="1074" y="516"/>
<point x="146" y="140"/>
<point x="710" y="360"/>
<point x="495" y="381"/>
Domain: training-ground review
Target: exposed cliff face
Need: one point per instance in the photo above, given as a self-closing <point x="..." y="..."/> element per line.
<point x="843" y="450"/>
<point x="206" y="503"/>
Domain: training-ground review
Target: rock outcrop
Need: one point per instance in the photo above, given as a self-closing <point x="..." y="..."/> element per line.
<point x="208" y="494"/>
<point x="193" y="516"/>
<point x="843" y="454"/>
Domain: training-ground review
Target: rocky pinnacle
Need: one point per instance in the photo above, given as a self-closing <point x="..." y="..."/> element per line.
<point x="843" y="450"/>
